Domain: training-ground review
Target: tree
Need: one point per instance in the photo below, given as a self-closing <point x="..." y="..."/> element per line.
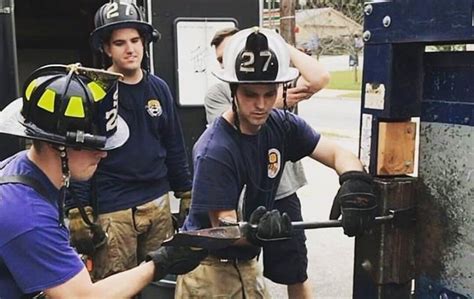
<point x="351" y="8"/>
<point x="336" y="42"/>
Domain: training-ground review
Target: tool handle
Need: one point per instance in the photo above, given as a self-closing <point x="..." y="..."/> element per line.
<point x="333" y="223"/>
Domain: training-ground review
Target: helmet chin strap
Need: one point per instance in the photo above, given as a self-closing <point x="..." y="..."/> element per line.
<point x="102" y="58"/>
<point x="236" y="114"/>
<point x="233" y="92"/>
<point x="146" y="61"/>
<point x="285" y="104"/>
<point x="66" y="176"/>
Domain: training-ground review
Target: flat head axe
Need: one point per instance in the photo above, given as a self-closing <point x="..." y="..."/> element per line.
<point x="224" y="236"/>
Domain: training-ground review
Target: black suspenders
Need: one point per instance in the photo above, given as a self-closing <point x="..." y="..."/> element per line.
<point x="25" y="180"/>
<point x="33" y="183"/>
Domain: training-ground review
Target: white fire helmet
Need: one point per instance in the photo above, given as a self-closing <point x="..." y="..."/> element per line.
<point x="256" y="55"/>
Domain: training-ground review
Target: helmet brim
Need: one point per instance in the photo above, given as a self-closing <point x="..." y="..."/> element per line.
<point x="222" y="75"/>
<point x="12" y="123"/>
<point x="96" y="37"/>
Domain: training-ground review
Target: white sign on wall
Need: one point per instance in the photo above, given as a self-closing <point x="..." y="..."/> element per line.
<point x="196" y="59"/>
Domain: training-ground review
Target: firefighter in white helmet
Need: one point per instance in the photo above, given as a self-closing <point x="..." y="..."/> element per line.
<point x="244" y="151"/>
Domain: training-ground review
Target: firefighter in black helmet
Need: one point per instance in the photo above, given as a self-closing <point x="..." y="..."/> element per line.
<point x="118" y="15"/>
<point x="70" y="113"/>
<point x="129" y="193"/>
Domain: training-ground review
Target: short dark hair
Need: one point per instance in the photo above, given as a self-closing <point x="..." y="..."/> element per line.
<point x="108" y="35"/>
<point x="222" y="34"/>
<point x="38" y="145"/>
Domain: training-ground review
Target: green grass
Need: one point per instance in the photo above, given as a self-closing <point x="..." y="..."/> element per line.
<point x="345" y="80"/>
<point x="351" y="95"/>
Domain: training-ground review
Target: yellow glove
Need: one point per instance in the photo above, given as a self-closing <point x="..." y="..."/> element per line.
<point x="85" y="238"/>
<point x="184" y="205"/>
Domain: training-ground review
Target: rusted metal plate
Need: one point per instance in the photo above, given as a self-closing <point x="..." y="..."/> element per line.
<point x="397" y="245"/>
<point x="445" y="228"/>
<point x="384" y="258"/>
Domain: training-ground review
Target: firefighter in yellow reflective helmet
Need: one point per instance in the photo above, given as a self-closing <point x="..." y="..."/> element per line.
<point x="70" y="113"/>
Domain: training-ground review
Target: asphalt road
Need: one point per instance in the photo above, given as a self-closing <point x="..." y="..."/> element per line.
<point x="330" y="252"/>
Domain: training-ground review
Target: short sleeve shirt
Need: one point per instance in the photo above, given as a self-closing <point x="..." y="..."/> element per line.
<point x="34" y="249"/>
<point x="225" y="161"/>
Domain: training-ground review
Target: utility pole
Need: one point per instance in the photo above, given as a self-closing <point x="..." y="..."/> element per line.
<point x="287" y="20"/>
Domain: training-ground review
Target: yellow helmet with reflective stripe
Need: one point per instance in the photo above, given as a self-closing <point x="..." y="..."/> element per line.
<point x="69" y="105"/>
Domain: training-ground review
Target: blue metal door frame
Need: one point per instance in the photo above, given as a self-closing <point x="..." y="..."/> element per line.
<point x="436" y="87"/>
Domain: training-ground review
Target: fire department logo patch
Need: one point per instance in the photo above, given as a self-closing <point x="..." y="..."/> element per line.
<point x="153" y="107"/>
<point x="274" y="162"/>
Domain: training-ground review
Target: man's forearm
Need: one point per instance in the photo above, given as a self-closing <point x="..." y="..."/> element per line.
<point x="314" y="74"/>
<point x="125" y="284"/>
<point x="346" y="161"/>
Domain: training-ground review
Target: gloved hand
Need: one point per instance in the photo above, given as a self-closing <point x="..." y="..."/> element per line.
<point x="175" y="260"/>
<point x="184" y="206"/>
<point x="264" y="226"/>
<point x="86" y="239"/>
<point x="356" y="201"/>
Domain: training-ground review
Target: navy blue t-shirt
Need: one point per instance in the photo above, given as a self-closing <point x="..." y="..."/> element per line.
<point x="225" y="161"/>
<point x="152" y="161"/>
<point x="34" y="250"/>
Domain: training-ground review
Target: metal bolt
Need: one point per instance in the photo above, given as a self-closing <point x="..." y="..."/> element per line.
<point x="435" y="117"/>
<point x="368" y="9"/>
<point x="366" y="35"/>
<point x="386" y="21"/>
<point x="407" y="163"/>
<point x="367" y="265"/>
<point x="466" y="120"/>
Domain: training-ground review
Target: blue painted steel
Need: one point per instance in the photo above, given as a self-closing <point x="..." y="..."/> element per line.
<point x="448" y="92"/>
<point x="452" y="113"/>
<point x="438" y="88"/>
<point x="430" y="21"/>
<point x="376" y="70"/>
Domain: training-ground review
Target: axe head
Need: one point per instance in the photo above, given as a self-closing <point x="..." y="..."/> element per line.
<point x="210" y="238"/>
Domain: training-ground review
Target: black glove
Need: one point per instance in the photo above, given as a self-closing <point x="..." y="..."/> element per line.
<point x="356" y="201"/>
<point x="85" y="238"/>
<point x="264" y="226"/>
<point x="175" y="260"/>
